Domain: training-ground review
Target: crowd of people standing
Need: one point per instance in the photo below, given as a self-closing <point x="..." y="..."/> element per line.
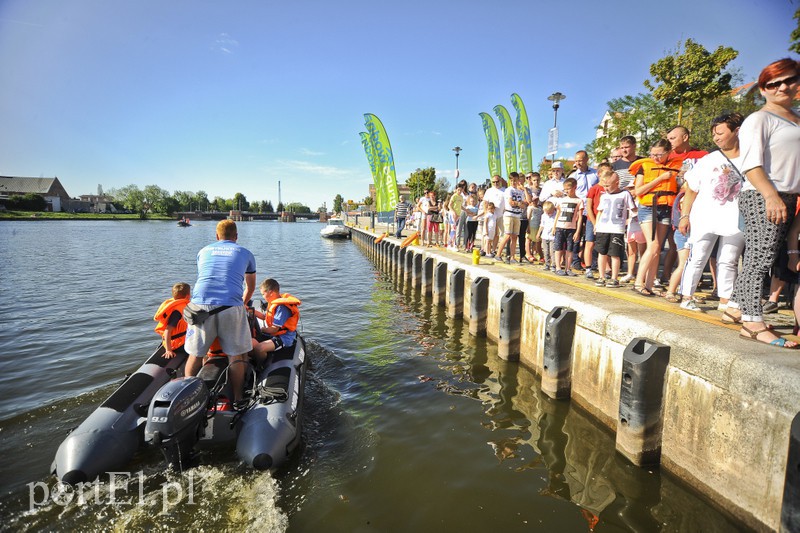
<point x="665" y="215"/>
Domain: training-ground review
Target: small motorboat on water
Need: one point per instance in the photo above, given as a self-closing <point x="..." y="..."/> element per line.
<point x="184" y="222"/>
<point x="335" y="229"/>
<point x="158" y="406"/>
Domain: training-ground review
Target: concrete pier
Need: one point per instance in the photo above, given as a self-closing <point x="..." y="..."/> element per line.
<point x="726" y="406"/>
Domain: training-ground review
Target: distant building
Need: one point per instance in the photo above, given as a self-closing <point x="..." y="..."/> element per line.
<point x="96" y="203"/>
<point x="48" y="188"/>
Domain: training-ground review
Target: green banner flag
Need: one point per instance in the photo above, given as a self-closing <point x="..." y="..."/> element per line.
<point x="509" y="144"/>
<point x="385" y="177"/>
<point x="523" y="136"/>
<point x="493" y="144"/>
<point x="371" y="157"/>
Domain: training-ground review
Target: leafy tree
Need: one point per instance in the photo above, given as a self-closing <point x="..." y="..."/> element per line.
<point x="280" y="207"/>
<point x="26" y="202"/>
<point x="221" y="204"/>
<point x="442" y="187"/>
<point x="703" y="115"/>
<point x="131" y="198"/>
<point x="368" y="201"/>
<point x="156" y="199"/>
<point x="795" y="36"/>
<point x="337" y="203"/>
<point x="240" y="202"/>
<point x="421" y="180"/>
<point x="185" y="200"/>
<point x="642" y="116"/>
<point x="202" y="200"/>
<point x="691" y="76"/>
<point x="297" y="207"/>
<point x="268" y="208"/>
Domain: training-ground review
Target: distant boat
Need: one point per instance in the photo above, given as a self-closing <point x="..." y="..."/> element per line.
<point x="184" y="222"/>
<point x="335" y="229"/>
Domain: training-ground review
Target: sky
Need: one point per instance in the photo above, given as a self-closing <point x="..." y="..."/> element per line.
<point x="236" y="96"/>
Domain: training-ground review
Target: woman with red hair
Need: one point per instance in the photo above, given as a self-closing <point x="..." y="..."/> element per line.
<point x="770" y="151"/>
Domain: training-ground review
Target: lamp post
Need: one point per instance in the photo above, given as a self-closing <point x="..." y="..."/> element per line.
<point x="556" y="97"/>
<point x="457" y="150"/>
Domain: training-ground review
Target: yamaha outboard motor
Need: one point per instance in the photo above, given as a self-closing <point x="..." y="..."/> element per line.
<point x="175" y="420"/>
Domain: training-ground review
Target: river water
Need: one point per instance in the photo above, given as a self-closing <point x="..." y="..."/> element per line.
<point x="411" y="424"/>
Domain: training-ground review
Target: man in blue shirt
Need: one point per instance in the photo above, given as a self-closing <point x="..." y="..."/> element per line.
<point x="222" y="268"/>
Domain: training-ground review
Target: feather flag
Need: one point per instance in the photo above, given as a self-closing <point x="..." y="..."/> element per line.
<point x="385" y="176"/>
<point x="509" y="144"/>
<point x="493" y="144"/>
<point x="523" y="136"/>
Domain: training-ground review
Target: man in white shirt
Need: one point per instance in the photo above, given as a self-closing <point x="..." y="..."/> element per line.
<point x="495" y="195"/>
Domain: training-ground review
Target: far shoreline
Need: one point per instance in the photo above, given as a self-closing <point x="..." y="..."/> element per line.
<point x="34" y="216"/>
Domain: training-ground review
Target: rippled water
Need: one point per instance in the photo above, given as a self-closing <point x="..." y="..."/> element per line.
<point x="411" y="423"/>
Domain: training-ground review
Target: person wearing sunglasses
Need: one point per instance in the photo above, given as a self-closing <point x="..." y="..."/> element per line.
<point x="655" y="188"/>
<point x="770" y="150"/>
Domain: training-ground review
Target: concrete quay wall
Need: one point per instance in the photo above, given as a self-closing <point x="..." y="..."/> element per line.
<point x="726" y="413"/>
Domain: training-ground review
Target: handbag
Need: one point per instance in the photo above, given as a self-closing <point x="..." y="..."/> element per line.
<point x="436" y="218"/>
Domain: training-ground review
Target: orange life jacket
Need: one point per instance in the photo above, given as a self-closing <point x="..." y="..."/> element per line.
<point x="291" y="323"/>
<point x="650" y="171"/>
<point x="162" y="317"/>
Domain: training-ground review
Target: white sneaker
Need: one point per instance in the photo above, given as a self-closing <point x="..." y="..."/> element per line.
<point x="627" y="278"/>
<point x="690" y="305"/>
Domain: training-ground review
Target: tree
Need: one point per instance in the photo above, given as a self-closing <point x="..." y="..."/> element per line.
<point x="642" y="116"/>
<point x="240" y="202"/>
<point x="702" y="116"/>
<point x="156" y="199"/>
<point x="368" y="201"/>
<point x="280" y="207"/>
<point x="691" y="76"/>
<point x="795" y="36"/>
<point x="337" y="203"/>
<point x="186" y="200"/>
<point x="421" y="180"/>
<point x="132" y="199"/>
<point x="442" y="187"/>
<point x="202" y="200"/>
<point x="297" y="207"/>
<point x="268" y="208"/>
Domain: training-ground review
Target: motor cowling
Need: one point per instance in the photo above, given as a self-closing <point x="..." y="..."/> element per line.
<point x="176" y="418"/>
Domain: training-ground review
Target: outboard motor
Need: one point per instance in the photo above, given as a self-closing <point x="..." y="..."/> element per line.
<point x="176" y="419"/>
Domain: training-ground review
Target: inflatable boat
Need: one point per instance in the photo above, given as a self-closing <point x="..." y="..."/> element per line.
<point x="158" y="406"/>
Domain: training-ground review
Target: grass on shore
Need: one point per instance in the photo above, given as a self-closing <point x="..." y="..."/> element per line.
<point x="46" y="215"/>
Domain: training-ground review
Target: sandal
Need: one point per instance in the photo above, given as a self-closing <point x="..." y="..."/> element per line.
<point x="730" y="319"/>
<point x="672" y="297"/>
<point x="780" y="342"/>
<point x="644" y="291"/>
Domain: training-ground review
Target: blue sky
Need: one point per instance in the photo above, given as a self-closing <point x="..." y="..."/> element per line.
<point x="233" y="96"/>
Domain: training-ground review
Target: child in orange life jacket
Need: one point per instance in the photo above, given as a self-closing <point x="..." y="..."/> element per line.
<point x="171" y="325"/>
<point x="281" y="319"/>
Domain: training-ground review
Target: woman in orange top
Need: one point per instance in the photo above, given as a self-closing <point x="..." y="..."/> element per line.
<point x="655" y="188"/>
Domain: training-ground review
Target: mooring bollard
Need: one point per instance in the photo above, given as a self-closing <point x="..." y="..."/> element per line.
<point x="455" y="300"/>
<point x="439" y="284"/>
<point x="641" y="398"/>
<point x="398" y="261"/>
<point x="790" y="511"/>
<point x="427" y="276"/>
<point x="559" y="331"/>
<point x="416" y="273"/>
<point x="407" y="267"/>
<point x="510" y="325"/>
<point x="478" y="306"/>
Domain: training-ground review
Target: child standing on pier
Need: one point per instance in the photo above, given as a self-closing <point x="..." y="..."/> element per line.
<point x="567" y="232"/>
<point x="612" y="216"/>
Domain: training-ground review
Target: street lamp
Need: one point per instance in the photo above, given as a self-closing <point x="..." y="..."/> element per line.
<point x="457" y="150"/>
<point x="556" y="97"/>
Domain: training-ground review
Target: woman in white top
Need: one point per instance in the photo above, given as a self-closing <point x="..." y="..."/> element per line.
<point x="711" y="212"/>
<point x="770" y="151"/>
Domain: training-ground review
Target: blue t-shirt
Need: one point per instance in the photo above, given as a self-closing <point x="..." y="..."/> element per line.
<point x="282" y="314"/>
<point x="221" y="267"/>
